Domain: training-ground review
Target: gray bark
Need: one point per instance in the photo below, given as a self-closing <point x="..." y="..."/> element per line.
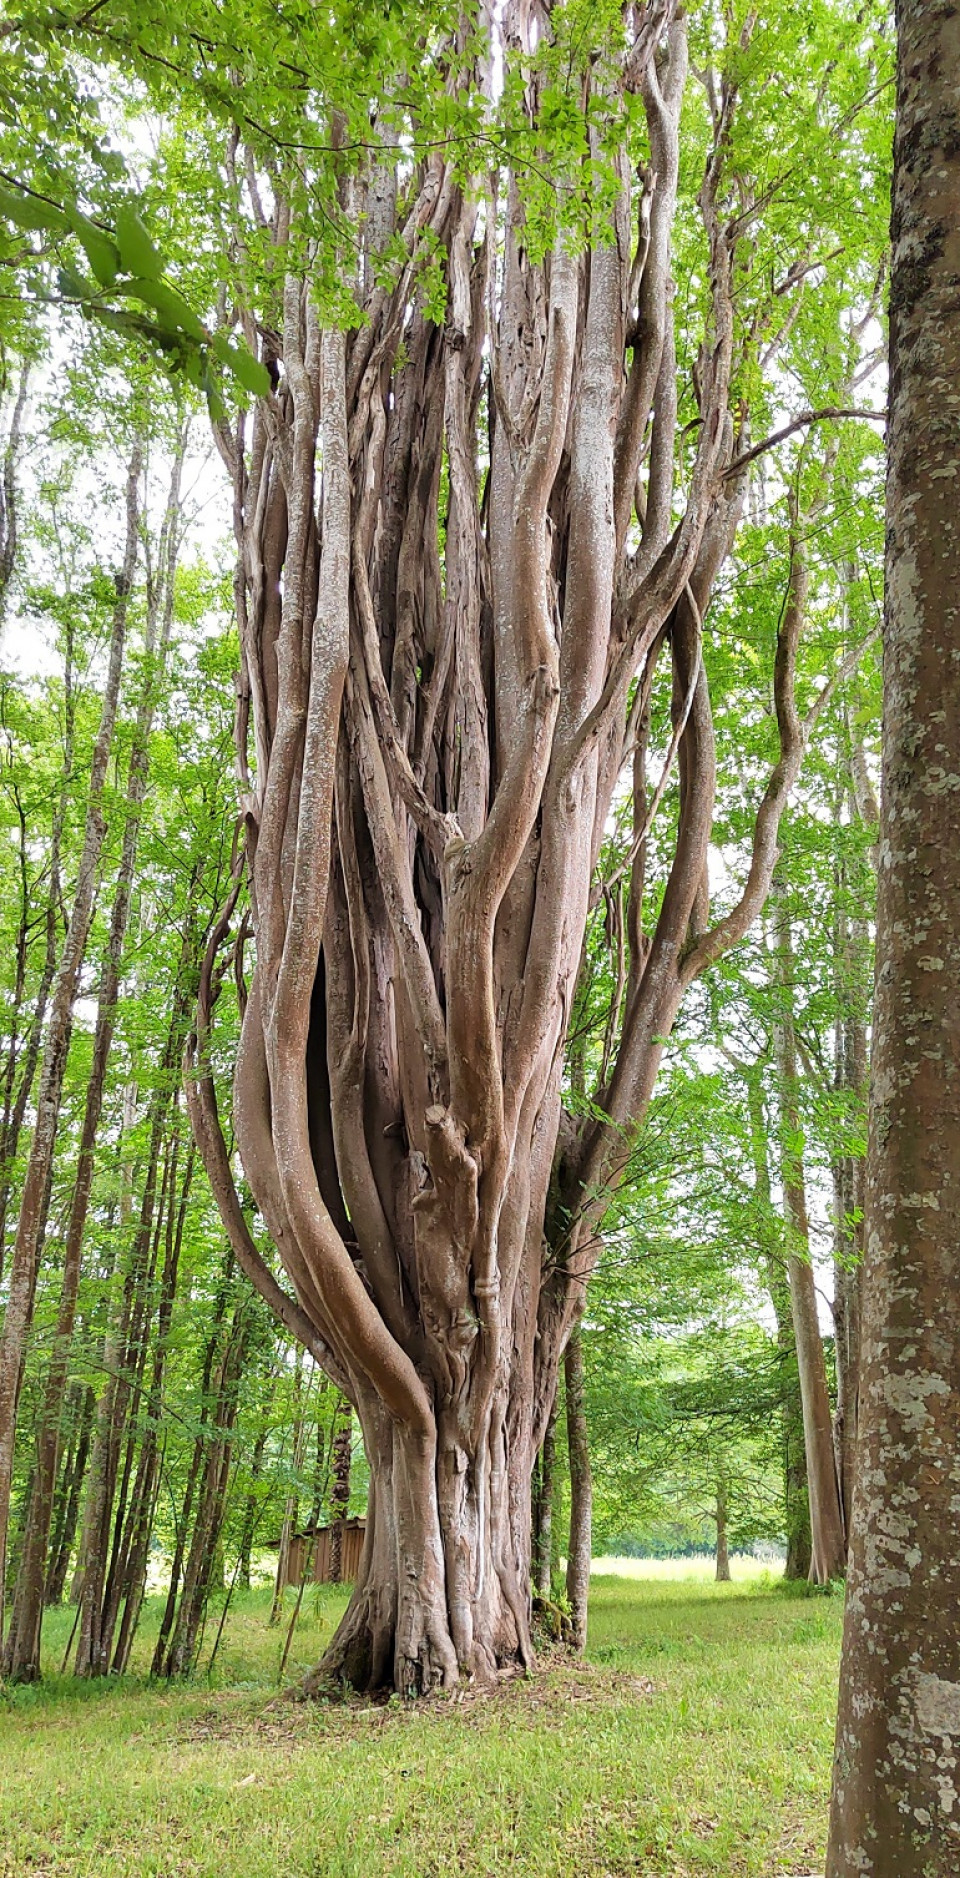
<point x="895" y="1810"/>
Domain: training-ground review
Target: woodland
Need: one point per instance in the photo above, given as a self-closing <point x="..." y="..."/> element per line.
<point x="442" y="587"/>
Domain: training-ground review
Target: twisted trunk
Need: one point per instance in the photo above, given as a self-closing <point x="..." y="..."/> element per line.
<point x="438" y="680"/>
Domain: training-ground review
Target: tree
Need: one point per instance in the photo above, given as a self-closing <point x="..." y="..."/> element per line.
<point x="480" y="522"/>
<point x="34" y="1201"/>
<point x="398" y="1090"/>
<point x="894" y="1808"/>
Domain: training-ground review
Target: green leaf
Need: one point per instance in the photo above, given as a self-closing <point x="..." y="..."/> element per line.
<point x="99" y="247"/>
<point x="72" y="285"/>
<point x="171" y="305"/>
<point x="30" y="213"/>
<point x="247" y="370"/>
<point x="215" y="404"/>
<point x="137" y="251"/>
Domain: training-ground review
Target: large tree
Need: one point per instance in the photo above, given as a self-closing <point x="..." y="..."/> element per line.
<point x="480" y="520"/>
<point x="896" y="1812"/>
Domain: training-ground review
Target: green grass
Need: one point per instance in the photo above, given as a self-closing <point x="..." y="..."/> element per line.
<point x="696" y="1740"/>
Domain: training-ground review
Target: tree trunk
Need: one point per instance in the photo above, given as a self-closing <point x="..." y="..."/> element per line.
<point x="205" y="1547"/>
<point x="22" y="1057"/>
<point x="435" y="708"/>
<point x="721" y="1515"/>
<point x="828" y="1555"/>
<point x="436" y="1588"/>
<point x="9" y="530"/>
<point x="185" y="1526"/>
<point x="33" y="1204"/>
<point x="22" y="1654"/>
<point x="848" y="1184"/>
<point x="543" y="1546"/>
<point x="71" y="1485"/>
<point x="292" y="1501"/>
<point x="581" y="1491"/>
<point x="894" y="1811"/>
<point x="796" y="1499"/>
<point x="340" y="1490"/>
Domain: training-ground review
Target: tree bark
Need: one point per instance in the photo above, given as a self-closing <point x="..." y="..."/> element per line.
<point x="340" y="1490"/>
<point x="581" y="1491"/>
<point x="894" y="1810"/>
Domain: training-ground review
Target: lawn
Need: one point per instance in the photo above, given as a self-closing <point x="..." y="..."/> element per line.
<point x="695" y="1740"/>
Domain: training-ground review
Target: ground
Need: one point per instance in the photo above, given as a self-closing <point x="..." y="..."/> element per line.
<point x="696" y="1739"/>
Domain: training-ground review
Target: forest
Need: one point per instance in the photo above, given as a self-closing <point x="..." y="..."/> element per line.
<point x="479" y="924"/>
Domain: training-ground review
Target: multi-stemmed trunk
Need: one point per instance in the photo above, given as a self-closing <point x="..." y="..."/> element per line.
<point x="457" y="552"/>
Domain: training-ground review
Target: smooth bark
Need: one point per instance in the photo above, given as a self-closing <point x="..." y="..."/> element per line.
<point x="894" y="1810"/>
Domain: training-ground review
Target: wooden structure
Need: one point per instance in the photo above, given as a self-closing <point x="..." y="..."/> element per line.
<point x="312" y="1550"/>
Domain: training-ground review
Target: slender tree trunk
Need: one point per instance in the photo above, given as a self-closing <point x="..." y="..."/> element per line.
<point x="125" y="1362"/>
<point x="26" y="1251"/>
<point x="22" y="1057"/>
<point x="198" y="1578"/>
<point x="543" y="1508"/>
<point x="895" y="1810"/>
<point x="721" y="1515"/>
<point x="340" y="1490"/>
<point x="254" y="1507"/>
<point x="22" y="1653"/>
<point x="73" y="1467"/>
<point x="828" y="1559"/>
<point x="581" y="1490"/>
<point x="292" y="1501"/>
<point x="796" y="1499"/>
<point x="848" y="1187"/>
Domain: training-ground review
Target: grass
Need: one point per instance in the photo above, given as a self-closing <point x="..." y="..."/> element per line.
<point x="695" y="1740"/>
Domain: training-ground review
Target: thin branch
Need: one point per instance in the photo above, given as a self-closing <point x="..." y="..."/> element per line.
<point x="828" y="414"/>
